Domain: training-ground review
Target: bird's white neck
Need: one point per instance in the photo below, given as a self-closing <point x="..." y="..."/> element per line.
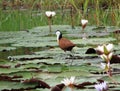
<point x="57" y="37"/>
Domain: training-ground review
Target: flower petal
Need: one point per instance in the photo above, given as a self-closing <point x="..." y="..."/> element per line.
<point x="109" y="47"/>
<point x="48" y="13"/>
<point x="101" y="86"/>
<point x="72" y="79"/>
<point x="83" y="21"/>
<point x="53" y="13"/>
<point x="100" y="48"/>
<point x="110" y="56"/>
<point x="67" y="81"/>
<point x="103" y="65"/>
<point x="104" y="57"/>
<point x="105" y="50"/>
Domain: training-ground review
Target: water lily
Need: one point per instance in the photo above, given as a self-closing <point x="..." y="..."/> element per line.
<point x="107" y="58"/>
<point x="101" y="86"/>
<point x="50" y="13"/>
<point x="100" y="48"/>
<point x="106" y="49"/>
<point x="84" y="23"/>
<point x="110" y="47"/>
<point x="105" y="66"/>
<point x="69" y="82"/>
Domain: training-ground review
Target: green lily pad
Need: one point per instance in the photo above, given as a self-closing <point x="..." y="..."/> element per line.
<point x="36" y="54"/>
<point x="7" y="48"/>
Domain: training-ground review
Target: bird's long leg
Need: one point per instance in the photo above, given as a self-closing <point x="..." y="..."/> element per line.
<point x="71" y="56"/>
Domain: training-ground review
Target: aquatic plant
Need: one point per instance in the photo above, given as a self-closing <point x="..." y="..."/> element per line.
<point x="28" y="14"/>
<point x="101" y="86"/>
<point x="49" y="15"/>
<point x="69" y="83"/>
<point x="84" y="23"/>
<point x="106" y="54"/>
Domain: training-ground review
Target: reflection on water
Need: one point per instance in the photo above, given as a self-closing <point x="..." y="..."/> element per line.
<point x="20" y="51"/>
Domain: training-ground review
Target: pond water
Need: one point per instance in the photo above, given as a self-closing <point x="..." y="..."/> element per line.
<point x="32" y="61"/>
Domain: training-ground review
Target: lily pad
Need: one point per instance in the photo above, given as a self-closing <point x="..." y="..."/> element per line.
<point x="3" y="49"/>
<point x="35" y="54"/>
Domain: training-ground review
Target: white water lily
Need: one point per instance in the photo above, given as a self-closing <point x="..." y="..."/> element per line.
<point x="100" y="48"/>
<point x="68" y="82"/>
<point x="107" y="58"/>
<point x="50" y="13"/>
<point x="53" y="13"/>
<point x="101" y="86"/>
<point x="104" y="57"/>
<point x="84" y="22"/>
<point x="109" y="47"/>
<point x="110" y="56"/>
<point x="105" y="66"/>
<point x="106" y="49"/>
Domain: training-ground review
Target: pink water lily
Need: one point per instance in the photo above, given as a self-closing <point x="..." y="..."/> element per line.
<point x="101" y="86"/>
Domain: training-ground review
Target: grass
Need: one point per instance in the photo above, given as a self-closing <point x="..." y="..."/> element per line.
<point x="19" y="20"/>
<point x="32" y="13"/>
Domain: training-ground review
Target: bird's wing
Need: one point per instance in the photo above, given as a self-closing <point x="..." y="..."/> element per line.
<point x="65" y="43"/>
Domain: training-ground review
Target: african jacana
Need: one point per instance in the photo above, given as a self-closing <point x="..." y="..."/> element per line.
<point x="64" y="43"/>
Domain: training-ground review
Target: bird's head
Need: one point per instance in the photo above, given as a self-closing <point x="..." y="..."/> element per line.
<point x="59" y="35"/>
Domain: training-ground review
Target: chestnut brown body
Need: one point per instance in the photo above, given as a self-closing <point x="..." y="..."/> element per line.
<point x="66" y="44"/>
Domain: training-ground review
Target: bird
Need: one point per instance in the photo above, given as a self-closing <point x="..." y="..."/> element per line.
<point x="64" y="43"/>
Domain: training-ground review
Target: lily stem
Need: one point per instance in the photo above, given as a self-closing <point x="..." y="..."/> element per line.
<point x="49" y="22"/>
<point x="112" y="79"/>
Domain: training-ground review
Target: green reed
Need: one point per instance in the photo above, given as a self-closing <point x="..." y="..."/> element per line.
<point x="33" y="15"/>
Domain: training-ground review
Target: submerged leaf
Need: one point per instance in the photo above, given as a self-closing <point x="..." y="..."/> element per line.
<point x="39" y="83"/>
